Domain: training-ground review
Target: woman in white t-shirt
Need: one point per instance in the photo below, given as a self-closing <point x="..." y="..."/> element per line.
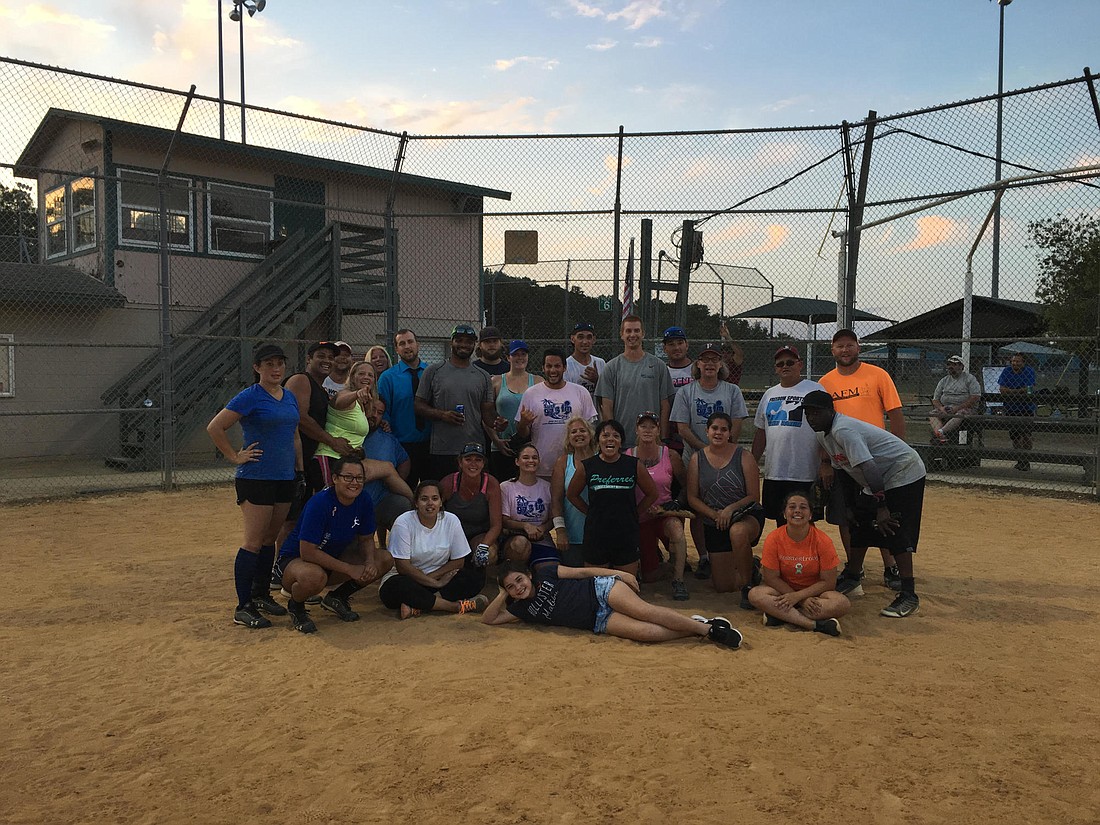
<point x="429" y="551"/>
<point x="528" y="512"/>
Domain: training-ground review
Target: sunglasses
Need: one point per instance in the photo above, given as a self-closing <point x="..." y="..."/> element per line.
<point x="351" y="478"/>
<point x="790" y="362"/>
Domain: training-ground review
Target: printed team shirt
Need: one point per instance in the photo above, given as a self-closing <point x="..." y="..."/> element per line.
<point x="523" y="503"/>
<point x="790" y="451"/>
<point x="799" y="562"/>
<point x="866" y="394"/>
<point x="552" y="408"/>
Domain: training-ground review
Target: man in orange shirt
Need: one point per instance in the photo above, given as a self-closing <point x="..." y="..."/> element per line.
<point x="866" y="392"/>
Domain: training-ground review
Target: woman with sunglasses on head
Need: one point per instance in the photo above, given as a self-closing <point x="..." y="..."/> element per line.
<point x="351" y="423"/>
<point x="568" y="521"/>
<point x="599" y="600"/>
<point x="332" y="545"/>
<point x="664" y="466"/>
<point x="528" y="513"/>
<point x="474" y="496"/>
<point x="799" y="566"/>
<point x="266" y="477"/>
<point x="378" y="358"/>
<point x="723" y="487"/>
<point x="508" y="390"/>
<point x="429" y="553"/>
<point x="612" y="511"/>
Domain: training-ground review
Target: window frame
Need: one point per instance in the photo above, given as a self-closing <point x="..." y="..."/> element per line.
<point x="187" y="183"/>
<point x="48" y="224"/>
<point x="269" y="196"/>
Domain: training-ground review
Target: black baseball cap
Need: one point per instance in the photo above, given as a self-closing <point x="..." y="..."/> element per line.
<point x="489" y="333"/>
<point x="583" y="326"/>
<point x="711" y="346"/>
<point x="316" y="345"/>
<point x="845" y="333"/>
<point x="265" y="351"/>
<point x="473" y="448"/>
<point x="818" y="400"/>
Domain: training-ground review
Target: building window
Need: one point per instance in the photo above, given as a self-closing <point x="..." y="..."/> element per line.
<point x="7" y="365"/>
<point x="70" y="217"/>
<point x="139" y="210"/>
<point x="240" y="220"/>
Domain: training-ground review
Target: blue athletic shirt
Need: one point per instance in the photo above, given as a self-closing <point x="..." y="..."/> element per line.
<point x="330" y="525"/>
<point x="381" y="446"/>
<point x="1018" y="381"/>
<point x="271" y="423"/>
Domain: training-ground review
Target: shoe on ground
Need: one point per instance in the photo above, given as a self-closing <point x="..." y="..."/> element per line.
<point x="891" y="578"/>
<point x="276" y="579"/>
<point x="727" y="636"/>
<point x="679" y="591"/>
<point x="745" y="604"/>
<point x="248" y="616"/>
<point x="904" y="604"/>
<point x="830" y="627"/>
<point x="702" y="571"/>
<point x="266" y="604"/>
<point x="850" y="584"/>
<point x="341" y="608"/>
<point x="475" y="605"/>
<point x="300" y="621"/>
<point x="714" y="621"/>
<point x="772" y="621"/>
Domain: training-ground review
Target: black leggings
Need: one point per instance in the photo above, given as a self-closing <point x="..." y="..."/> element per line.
<point x="398" y="590"/>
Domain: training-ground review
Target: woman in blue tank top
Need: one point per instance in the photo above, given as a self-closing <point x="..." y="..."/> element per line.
<point x="568" y="532"/>
<point x="509" y="389"/>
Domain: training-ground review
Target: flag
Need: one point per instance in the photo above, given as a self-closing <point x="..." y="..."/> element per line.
<point x="628" y="287"/>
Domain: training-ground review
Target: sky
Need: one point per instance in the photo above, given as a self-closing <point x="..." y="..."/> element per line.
<point x="564" y="66"/>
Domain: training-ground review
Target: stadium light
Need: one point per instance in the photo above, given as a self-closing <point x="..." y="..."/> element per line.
<point x="995" y="280"/>
<point x="236" y="15"/>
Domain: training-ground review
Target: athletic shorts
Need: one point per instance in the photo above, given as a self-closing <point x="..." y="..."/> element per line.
<point x="774" y="493"/>
<point x="573" y="556"/>
<point x="542" y="553"/>
<point x="264" y="492"/>
<point x="718" y="541"/>
<point x="844" y="490"/>
<point x="906" y="503"/>
<point x="604" y="611"/>
<point x="617" y="552"/>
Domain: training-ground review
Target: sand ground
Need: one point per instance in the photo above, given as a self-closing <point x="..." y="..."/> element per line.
<point x="129" y="696"/>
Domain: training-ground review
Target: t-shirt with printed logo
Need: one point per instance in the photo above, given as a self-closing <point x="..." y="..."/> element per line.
<point x="799" y="562"/>
<point x="790" y="447"/>
<point x="694" y="405"/>
<point x="523" y="503"/>
<point x="552" y="408"/>
<point x="558" y="602"/>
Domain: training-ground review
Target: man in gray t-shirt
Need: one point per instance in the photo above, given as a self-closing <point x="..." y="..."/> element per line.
<point x="955" y="397"/>
<point x="707" y="394"/>
<point x="634" y="382"/>
<point x="446" y="387"/>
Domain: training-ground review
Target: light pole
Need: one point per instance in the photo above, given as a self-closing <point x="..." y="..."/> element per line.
<point x="996" y="275"/>
<point x="236" y="15"/>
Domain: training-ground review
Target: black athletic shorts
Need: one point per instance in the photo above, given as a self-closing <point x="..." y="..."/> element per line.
<point x="265" y="493"/>
<point x="617" y="552"/>
<point x="906" y="503"/>
<point x="844" y="490"/>
<point x="718" y="541"/>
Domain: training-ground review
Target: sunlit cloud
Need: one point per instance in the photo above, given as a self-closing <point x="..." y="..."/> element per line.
<point x="603" y="44"/>
<point x="777" y="235"/>
<point x="504" y="64"/>
<point x="635" y="13"/>
<point x="648" y="43"/>
<point x="777" y="154"/>
<point x="585" y="10"/>
<point x="933" y="230"/>
<point x="42" y="14"/>
<point x="610" y="165"/>
<point x="281" y="42"/>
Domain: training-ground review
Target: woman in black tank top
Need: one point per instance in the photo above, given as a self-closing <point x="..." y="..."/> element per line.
<point x="611" y="520"/>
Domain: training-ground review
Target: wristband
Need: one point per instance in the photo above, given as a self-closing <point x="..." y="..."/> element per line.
<point x="559" y="522"/>
<point x="880" y="496"/>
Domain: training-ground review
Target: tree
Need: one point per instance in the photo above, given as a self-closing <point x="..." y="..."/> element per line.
<point x="1069" y="282"/>
<point x="18" y="225"/>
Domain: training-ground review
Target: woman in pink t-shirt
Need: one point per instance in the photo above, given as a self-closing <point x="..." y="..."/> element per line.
<point x="799" y="566"/>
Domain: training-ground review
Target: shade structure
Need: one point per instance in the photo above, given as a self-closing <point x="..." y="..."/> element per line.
<point x="810" y="311"/>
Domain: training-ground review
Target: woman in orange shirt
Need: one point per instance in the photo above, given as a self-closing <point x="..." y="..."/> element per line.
<point x="799" y="568"/>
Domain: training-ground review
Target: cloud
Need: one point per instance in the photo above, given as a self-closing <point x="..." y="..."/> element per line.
<point x="635" y="13"/>
<point x="504" y="64"/>
<point x="603" y="44"/>
<point x="933" y="230"/>
<point x="585" y="10"/>
<point x="780" y="105"/>
<point x="777" y="235"/>
<point x="648" y="43"/>
<point x="42" y="14"/>
<point x="610" y="164"/>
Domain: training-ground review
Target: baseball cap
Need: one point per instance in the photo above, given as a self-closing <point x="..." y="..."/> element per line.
<point x="316" y="345"/>
<point x="788" y="348"/>
<point x="463" y="329"/>
<point x="955" y="359"/>
<point x="265" y="351"/>
<point x="711" y="346"/>
<point x="818" y="399"/>
<point x="518" y="345"/>
<point x="489" y="333"/>
<point x="642" y="416"/>
<point x="342" y="345"/>
<point x="672" y="333"/>
<point x="473" y="448"/>
<point x="583" y="326"/>
<point x="845" y="333"/>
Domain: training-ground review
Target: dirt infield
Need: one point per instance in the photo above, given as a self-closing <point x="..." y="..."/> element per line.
<point x="129" y="696"/>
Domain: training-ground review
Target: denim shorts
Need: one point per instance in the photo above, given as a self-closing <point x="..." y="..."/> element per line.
<point x="603" y="612"/>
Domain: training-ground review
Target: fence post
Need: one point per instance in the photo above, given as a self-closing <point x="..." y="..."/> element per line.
<point x="857" y="199"/>
<point x="616" y="305"/>
<point x="390" y="292"/>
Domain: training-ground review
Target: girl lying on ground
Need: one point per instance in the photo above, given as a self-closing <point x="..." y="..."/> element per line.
<point x="596" y="599"/>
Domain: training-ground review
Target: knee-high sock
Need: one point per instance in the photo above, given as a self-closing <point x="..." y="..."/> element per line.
<point x="244" y="570"/>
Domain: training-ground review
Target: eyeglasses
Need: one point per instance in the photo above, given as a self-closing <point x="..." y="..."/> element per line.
<point x="651" y="415"/>
<point x="351" y="478"/>
<point x="790" y="362"/>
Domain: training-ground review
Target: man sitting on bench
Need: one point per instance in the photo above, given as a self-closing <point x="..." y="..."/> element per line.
<point x="956" y="396"/>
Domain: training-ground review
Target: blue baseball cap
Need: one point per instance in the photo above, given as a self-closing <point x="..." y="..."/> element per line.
<point x="583" y="326"/>
<point x="517" y="346"/>
<point x="672" y="333"/>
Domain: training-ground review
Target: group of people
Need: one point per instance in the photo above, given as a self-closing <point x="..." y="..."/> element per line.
<point x="423" y="477"/>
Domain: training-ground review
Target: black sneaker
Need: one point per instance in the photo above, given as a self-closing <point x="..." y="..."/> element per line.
<point x="340" y="607"/>
<point x="849" y="585"/>
<point x="891" y="577"/>
<point x="714" y="621"/>
<point x="300" y="621"/>
<point x="772" y="621"/>
<point x="727" y="636"/>
<point x="905" y="604"/>
<point x="248" y="616"/>
<point x="745" y="603"/>
<point x="830" y="627"/>
<point x="702" y="571"/>
<point x="276" y="577"/>
<point x="679" y="591"/>
<point x="266" y="604"/>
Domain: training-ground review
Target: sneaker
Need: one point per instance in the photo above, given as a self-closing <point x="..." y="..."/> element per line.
<point x="300" y="621"/>
<point x="286" y="595"/>
<point x="475" y="605"/>
<point x="703" y="570"/>
<point x="830" y="627"/>
<point x="250" y="617"/>
<point x="745" y="603"/>
<point x="905" y="604"/>
<point x="891" y="578"/>
<point x="276" y="578"/>
<point x="264" y="602"/>
<point x="727" y="636"/>
<point x="850" y="583"/>
<point x="679" y="591"/>
<point x="715" y="621"/>
<point x="340" y="607"/>
<point x="772" y="621"/>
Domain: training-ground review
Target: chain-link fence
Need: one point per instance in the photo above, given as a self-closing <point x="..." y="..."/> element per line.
<point x="141" y="264"/>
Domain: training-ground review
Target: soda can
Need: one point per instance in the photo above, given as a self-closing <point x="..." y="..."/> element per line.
<point x="460" y="409"/>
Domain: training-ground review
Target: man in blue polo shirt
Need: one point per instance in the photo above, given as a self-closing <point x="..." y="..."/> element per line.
<point x="1016" y="383"/>
<point x="396" y="388"/>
